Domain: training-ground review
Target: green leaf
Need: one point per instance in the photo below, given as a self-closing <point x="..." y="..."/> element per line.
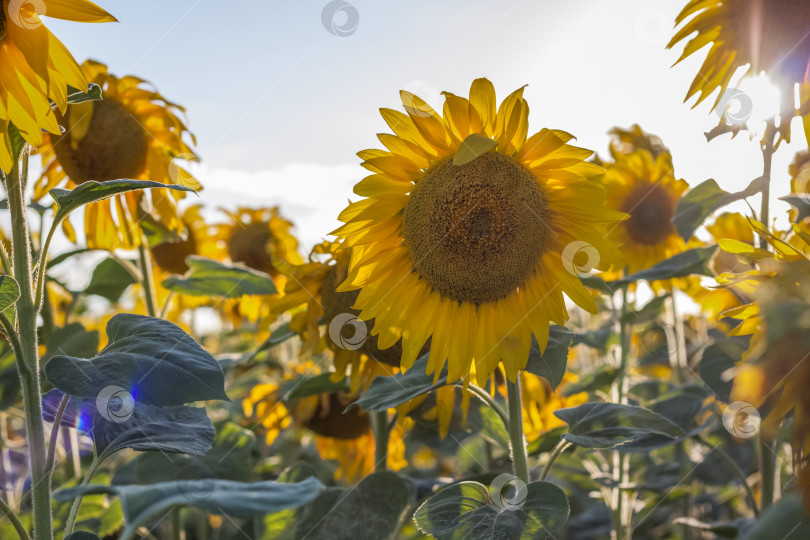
<point x="473" y="146"/>
<point x="72" y="340"/>
<point x="467" y="510"/>
<point x="703" y="199"/>
<point x="174" y="430"/>
<point x="612" y="425"/>
<point x="686" y="263"/>
<point x="596" y="339"/>
<point x="277" y="336"/>
<point x="93" y="93"/>
<point x="207" y="277"/>
<point x="387" y="392"/>
<point x="551" y="364"/>
<point x="110" y="279"/>
<point x="9" y="292"/>
<point x="648" y="313"/>
<point x="785" y="520"/>
<point x="221" y="497"/>
<point x="69" y="200"/>
<point x="153" y="359"/>
<point x="716" y="360"/>
<point x="380" y="499"/>
<point x="492" y="428"/>
<point x="310" y="386"/>
<point x="599" y="379"/>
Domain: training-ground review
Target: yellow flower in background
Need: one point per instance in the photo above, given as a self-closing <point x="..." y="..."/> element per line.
<point x="646" y="188"/>
<point x="628" y="140"/>
<point x="36" y="67"/>
<point x="462" y="232"/>
<point x="135" y="133"/>
<point x="728" y="225"/>
<point x="768" y="36"/>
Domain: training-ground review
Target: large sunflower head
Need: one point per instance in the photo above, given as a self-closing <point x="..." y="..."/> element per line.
<point x="133" y="132"/>
<point x="768" y="36"/>
<point x="646" y="188"/>
<point x="465" y="231"/>
<point x="35" y="67"/>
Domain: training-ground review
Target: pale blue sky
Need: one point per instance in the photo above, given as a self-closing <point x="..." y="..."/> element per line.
<point x="280" y="105"/>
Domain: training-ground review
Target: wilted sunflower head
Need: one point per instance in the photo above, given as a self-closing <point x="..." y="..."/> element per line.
<point x="465" y="230"/>
<point x="764" y="35"/>
<point x="36" y="67"/>
<point x="132" y="133"/>
<point x="645" y="188"/>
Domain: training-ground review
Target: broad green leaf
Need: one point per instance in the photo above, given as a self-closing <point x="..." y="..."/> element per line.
<point x="552" y="362"/>
<point x="207" y="277"/>
<point x="380" y="499"/>
<point x="387" y="392"/>
<point x="221" y="497"/>
<point x="686" y="263"/>
<point x="785" y="520"/>
<point x="599" y="379"/>
<point x="716" y="359"/>
<point x="703" y="199"/>
<point x="468" y="510"/>
<point x="492" y="428"/>
<point x="9" y="292"/>
<point x="152" y="359"/>
<point x="110" y="279"/>
<point x="612" y="425"/>
<point x="310" y="386"/>
<point x="93" y="93"/>
<point x="69" y="200"/>
<point x="174" y="430"/>
<point x="596" y="339"/>
<point x="72" y="340"/>
<point x="472" y="147"/>
<point x="648" y="313"/>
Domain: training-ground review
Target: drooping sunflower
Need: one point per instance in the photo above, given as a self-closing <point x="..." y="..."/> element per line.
<point x="462" y="232"/>
<point x="765" y="35"/>
<point x="646" y="188"/>
<point x="628" y="140"/>
<point x="133" y="132"/>
<point x="36" y="67"/>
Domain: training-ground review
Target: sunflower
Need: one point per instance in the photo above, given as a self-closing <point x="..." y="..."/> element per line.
<point x="768" y="36"/>
<point x="628" y="140"/>
<point x="646" y="188"/>
<point x="135" y="133"/>
<point x="36" y="67"/>
<point x="462" y="233"/>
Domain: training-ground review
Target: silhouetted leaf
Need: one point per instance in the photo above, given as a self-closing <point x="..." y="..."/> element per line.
<point x="207" y="277"/>
<point x="552" y="362"/>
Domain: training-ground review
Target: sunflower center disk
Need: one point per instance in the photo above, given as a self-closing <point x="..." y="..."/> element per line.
<point x="650" y="210"/>
<point x="115" y="146"/>
<point x="475" y="232"/>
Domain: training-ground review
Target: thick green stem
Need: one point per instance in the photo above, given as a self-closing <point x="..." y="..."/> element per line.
<point x="520" y="460"/>
<point x="146" y="275"/>
<point x="622" y="529"/>
<point x="27" y="319"/>
<point x="379" y="424"/>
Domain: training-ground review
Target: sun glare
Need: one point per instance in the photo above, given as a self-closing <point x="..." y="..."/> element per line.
<point x="758" y="102"/>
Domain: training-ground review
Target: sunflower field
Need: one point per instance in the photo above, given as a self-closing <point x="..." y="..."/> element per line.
<point x="506" y="335"/>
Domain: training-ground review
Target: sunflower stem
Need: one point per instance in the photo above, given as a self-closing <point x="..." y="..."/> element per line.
<point x="520" y="459"/>
<point x="28" y="360"/>
<point x="766" y="452"/>
<point x="379" y="424"/>
<point x="77" y="502"/>
<point x="559" y="449"/>
<point x="6" y="511"/>
<point x="622" y="529"/>
<point x="146" y="280"/>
